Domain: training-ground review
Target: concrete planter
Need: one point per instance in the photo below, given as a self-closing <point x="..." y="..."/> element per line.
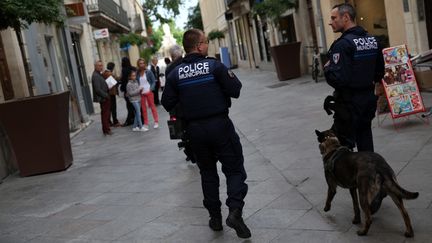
<point x="286" y="58"/>
<point x="38" y="130"/>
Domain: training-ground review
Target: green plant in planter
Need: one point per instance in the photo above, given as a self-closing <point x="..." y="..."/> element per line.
<point x="215" y="34"/>
<point x="131" y="39"/>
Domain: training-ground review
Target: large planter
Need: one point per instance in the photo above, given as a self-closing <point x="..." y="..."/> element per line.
<point x="286" y="58"/>
<point x="38" y="130"/>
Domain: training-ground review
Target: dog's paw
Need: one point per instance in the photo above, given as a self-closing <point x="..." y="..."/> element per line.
<point x="327" y="208"/>
<point x="356" y="220"/>
<point x="361" y="232"/>
<point x="409" y="234"/>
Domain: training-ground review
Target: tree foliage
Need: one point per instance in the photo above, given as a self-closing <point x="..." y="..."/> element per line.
<point x="156" y="40"/>
<point x="152" y="9"/>
<point x="194" y="18"/>
<point x="21" y="13"/>
<point x="273" y="9"/>
<point x="176" y="32"/>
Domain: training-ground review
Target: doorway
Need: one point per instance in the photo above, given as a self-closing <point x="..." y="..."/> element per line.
<point x="85" y="87"/>
<point x="287" y="29"/>
<point x="50" y="62"/>
<point x="371" y="16"/>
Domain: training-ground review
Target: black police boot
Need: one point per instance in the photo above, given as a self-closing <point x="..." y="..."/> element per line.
<point x="235" y="221"/>
<point x="215" y="222"/>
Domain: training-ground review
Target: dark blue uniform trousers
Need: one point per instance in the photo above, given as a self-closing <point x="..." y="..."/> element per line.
<point x="363" y="111"/>
<point x="214" y="139"/>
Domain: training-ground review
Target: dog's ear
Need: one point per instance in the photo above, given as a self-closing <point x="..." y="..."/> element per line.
<point x="320" y="136"/>
<point x="321" y="148"/>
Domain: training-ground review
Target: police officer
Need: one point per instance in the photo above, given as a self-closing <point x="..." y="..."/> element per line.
<point x="204" y="87"/>
<point x="355" y="64"/>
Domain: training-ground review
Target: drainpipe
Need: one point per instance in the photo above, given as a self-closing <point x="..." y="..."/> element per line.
<point x="312" y="23"/>
<point x="321" y="26"/>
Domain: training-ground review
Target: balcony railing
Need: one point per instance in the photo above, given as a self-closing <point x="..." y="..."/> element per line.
<point x="110" y="9"/>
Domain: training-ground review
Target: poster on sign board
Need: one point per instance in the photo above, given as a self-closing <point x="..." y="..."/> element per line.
<point x="100" y="34"/>
<point x="400" y="84"/>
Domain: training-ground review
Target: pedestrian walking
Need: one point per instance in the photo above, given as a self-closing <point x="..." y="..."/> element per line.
<point x="156" y="72"/>
<point x="134" y="94"/>
<point x="147" y="82"/>
<point x="355" y="65"/>
<point x="204" y="88"/>
<point x="101" y="95"/>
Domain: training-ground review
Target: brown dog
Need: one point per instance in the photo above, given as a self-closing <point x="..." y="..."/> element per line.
<point x="366" y="171"/>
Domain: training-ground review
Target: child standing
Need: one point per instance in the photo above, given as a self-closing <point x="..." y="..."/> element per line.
<point x="134" y="94"/>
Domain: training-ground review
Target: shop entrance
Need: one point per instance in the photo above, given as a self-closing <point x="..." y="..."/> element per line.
<point x="371" y="15"/>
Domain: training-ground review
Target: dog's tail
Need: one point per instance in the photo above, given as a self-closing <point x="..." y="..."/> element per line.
<point x="399" y="191"/>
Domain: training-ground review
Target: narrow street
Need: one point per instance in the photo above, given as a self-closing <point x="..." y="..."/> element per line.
<point x="137" y="187"/>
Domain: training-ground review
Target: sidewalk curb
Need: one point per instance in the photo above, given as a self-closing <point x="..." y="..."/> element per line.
<point x="81" y="128"/>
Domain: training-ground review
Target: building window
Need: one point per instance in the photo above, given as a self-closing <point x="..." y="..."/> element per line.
<point x="406" y="6"/>
<point x="287" y="29"/>
<point x="421" y="10"/>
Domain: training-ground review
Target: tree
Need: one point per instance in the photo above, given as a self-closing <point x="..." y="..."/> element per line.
<point x="154" y="42"/>
<point x="194" y="18"/>
<point x="19" y="14"/>
<point x="152" y="9"/>
<point x="176" y="32"/>
<point x="273" y="9"/>
<point x="156" y="39"/>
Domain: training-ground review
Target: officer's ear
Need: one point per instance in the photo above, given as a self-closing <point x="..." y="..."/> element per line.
<point x="346" y="17"/>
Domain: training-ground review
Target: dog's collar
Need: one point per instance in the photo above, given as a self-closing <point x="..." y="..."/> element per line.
<point x="334" y="153"/>
<point x="331" y="157"/>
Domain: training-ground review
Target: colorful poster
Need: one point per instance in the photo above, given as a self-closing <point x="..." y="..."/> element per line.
<point x="399" y="83"/>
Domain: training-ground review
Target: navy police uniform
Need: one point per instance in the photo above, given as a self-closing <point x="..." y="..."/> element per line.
<point x="356" y="63"/>
<point x="204" y="87"/>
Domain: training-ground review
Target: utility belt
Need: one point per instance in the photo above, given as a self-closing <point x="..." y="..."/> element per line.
<point x="178" y="126"/>
<point x="346" y="94"/>
<point x="210" y="117"/>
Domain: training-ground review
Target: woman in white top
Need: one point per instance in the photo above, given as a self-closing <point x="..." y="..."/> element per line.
<point x="147" y="81"/>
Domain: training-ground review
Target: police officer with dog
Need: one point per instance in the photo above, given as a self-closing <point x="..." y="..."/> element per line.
<point x="204" y="87"/>
<point x="355" y="65"/>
